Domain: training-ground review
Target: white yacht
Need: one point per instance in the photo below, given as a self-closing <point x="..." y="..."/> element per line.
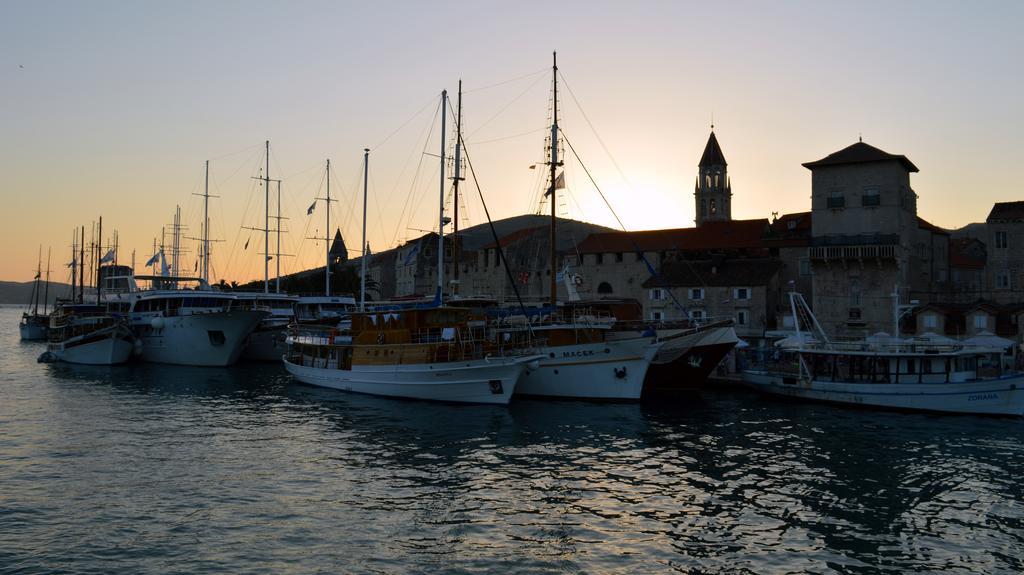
<point x="198" y="326"/>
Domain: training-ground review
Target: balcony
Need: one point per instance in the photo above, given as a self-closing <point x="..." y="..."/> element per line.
<point x="854" y="247"/>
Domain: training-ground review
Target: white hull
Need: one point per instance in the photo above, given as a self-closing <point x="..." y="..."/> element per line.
<point x="606" y="370"/>
<point x="1004" y="396"/>
<point x="476" y="381"/>
<point x="202" y="339"/>
<point x="114" y="348"/>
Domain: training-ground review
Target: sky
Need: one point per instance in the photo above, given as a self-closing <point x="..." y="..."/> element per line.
<point x="111" y="109"/>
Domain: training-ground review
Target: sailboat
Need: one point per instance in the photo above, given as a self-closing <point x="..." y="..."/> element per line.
<point x="431" y="352"/>
<point x="34" y="326"/>
<point x="580" y="357"/>
<point x="89" y="334"/>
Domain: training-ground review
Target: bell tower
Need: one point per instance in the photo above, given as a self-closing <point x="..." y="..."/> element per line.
<point x="713" y="193"/>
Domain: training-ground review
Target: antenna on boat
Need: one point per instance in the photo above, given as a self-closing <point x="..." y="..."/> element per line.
<point x="554" y="165"/>
<point x="362" y="260"/>
<point x="441" y="222"/>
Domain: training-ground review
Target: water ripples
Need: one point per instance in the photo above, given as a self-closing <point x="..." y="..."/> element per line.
<point x="161" y="469"/>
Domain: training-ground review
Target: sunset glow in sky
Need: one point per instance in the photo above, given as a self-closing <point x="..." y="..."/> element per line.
<point x="111" y="108"/>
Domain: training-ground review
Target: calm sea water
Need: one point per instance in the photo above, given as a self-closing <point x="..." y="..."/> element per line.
<point x="159" y="469"/>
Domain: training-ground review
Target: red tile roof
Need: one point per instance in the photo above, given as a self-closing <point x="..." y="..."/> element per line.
<point x="860" y="153"/>
<point x="735" y="234"/>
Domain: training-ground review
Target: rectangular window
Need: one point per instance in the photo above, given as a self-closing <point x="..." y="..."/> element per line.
<point x="870" y="198"/>
<point x="980" y="321"/>
<point x="929" y="321"/>
<point x="657" y="294"/>
<point x="1001" y="240"/>
<point x="618" y="258"/>
<point x="836" y="199"/>
<point x="1003" y="279"/>
<point x="696" y="294"/>
<point x="696" y="315"/>
<point x="741" y="317"/>
<point x="657" y="316"/>
<point x="741" y="293"/>
<point x="805" y="267"/>
<point x="598" y="259"/>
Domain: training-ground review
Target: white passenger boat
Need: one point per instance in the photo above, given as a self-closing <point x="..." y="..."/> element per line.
<point x="435" y="354"/>
<point x="198" y="326"/>
<point x="901" y="374"/>
<point x="89" y="334"/>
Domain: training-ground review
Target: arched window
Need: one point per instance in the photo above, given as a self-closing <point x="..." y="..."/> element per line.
<point x="604" y="287"/>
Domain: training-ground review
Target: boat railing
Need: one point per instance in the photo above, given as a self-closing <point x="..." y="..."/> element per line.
<point x="424" y="346"/>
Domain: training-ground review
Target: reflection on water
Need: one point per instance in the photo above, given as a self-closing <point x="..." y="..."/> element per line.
<point x="148" y="468"/>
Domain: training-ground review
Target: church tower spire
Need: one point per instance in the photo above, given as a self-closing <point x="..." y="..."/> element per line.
<point x="713" y="192"/>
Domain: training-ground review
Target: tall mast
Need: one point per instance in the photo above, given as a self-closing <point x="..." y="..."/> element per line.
<point x="74" y="264"/>
<point x="206" y="225"/>
<point x="455" y="194"/>
<point x="266" y="225"/>
<point x="440" y="223"/>
<point x="81" y="268"/>
<point x="362" y="260"/>
<point x="35" y="287"/>
<point x="176" y="244"/>
<point x="46" y="292"/>
<point x="99" y="263"/>
<point x="327" y="235"/>
<point x="277" y="249"/>
<point x="554" y="165"/>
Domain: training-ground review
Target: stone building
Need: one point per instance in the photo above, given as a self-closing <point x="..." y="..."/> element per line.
<point x="864" y="227"/>
<point x="746" y="291"/>
<point x="1005" y="252"/>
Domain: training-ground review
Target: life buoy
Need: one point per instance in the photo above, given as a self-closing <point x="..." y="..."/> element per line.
<point x="577" y="279"/>
<point x="380" y="337"/>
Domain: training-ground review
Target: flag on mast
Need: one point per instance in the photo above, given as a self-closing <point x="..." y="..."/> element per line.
<point x="108" y="258"/>
<point x="152" y="260"/>
<point x="312" y="207"/>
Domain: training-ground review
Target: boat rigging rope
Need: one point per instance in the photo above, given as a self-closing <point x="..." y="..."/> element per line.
<point x="494" y="234"/>
<point x="639" y="252"/>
